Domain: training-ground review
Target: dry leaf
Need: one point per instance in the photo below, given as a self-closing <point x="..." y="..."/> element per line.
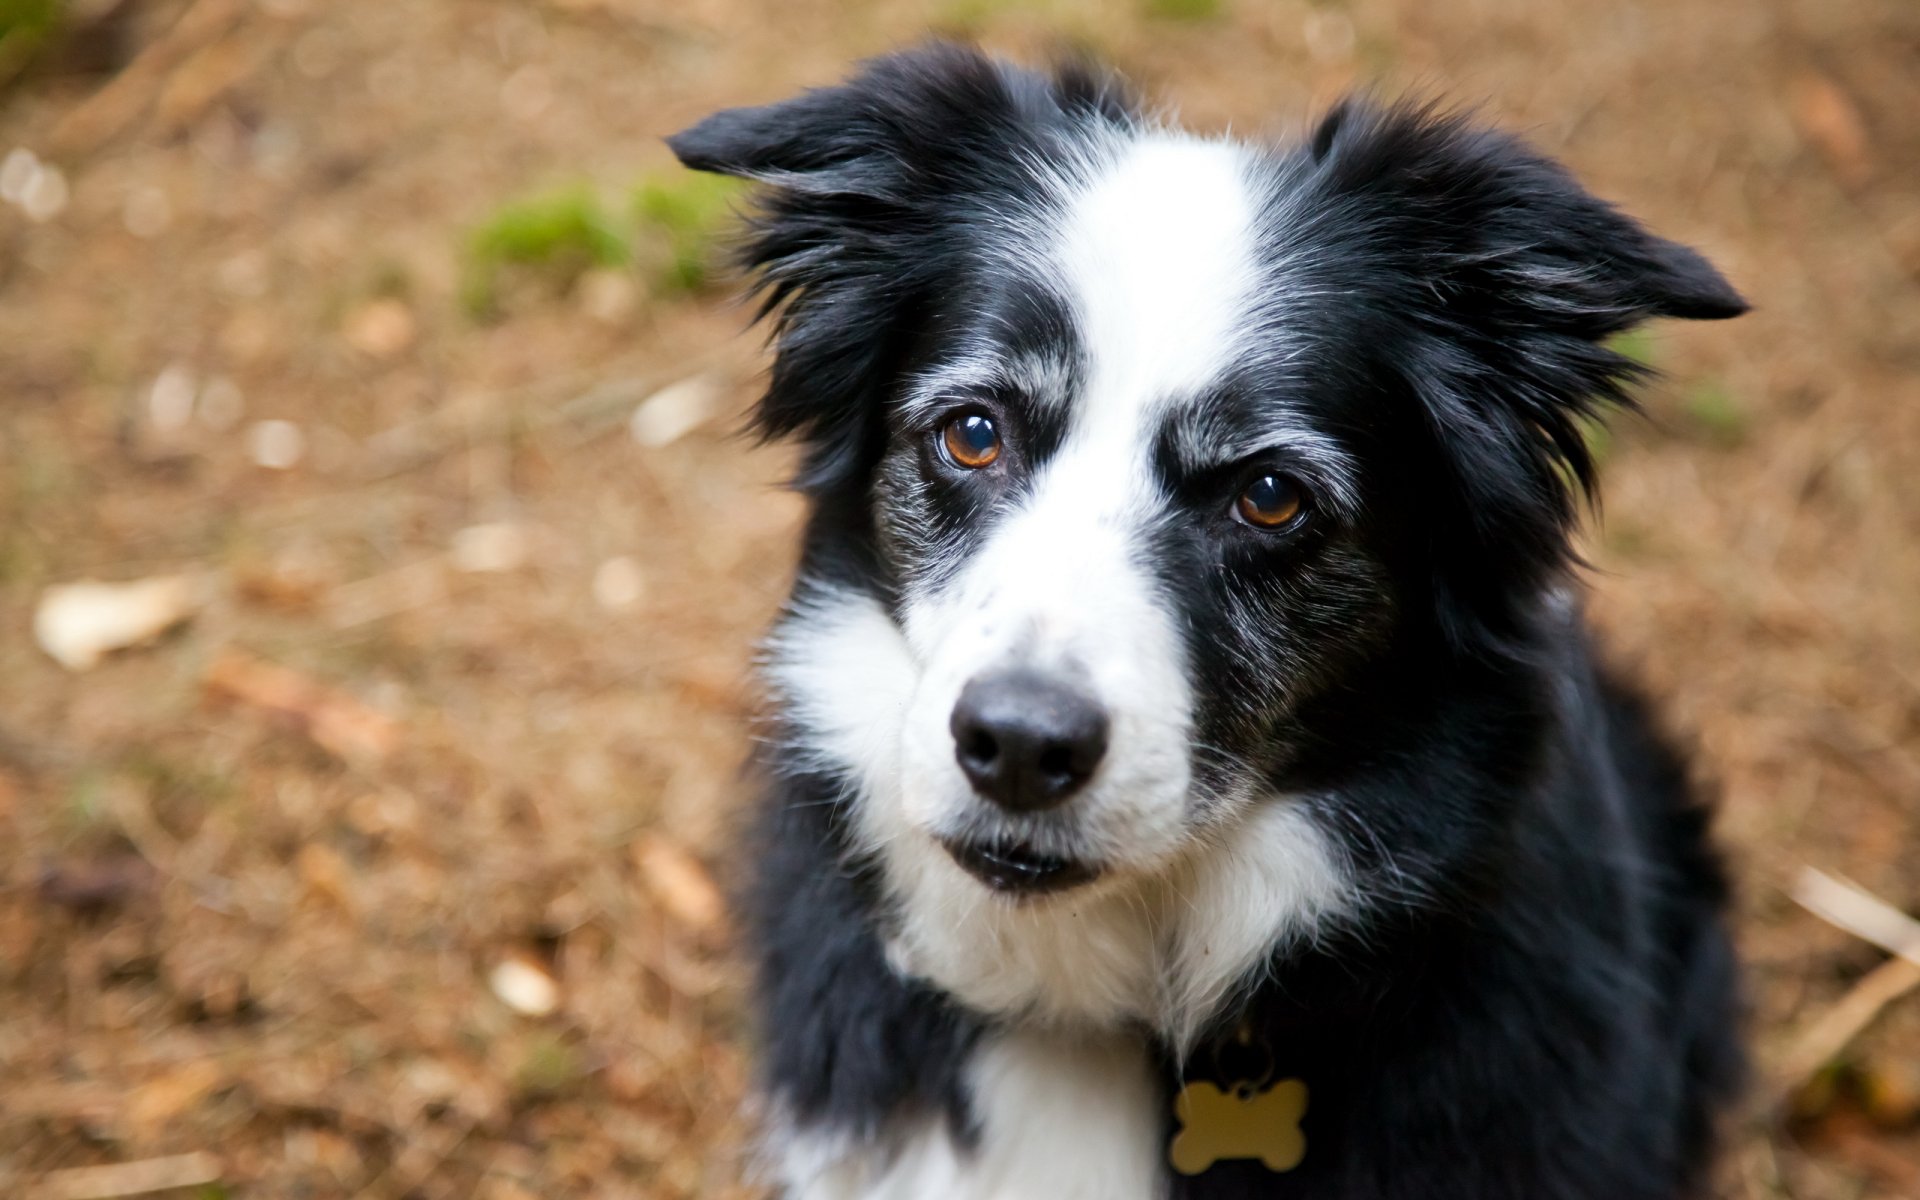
<point x="92" y="887"/>
<point x="679" y="883"/>
<point x="337" y="723"/>
<point x="1829" y="119"/>
<point x="159" y="1101"/>
<point x="674" y="411"/>
<point x="380" y="329"/>
<point x="326" y="875"/>
<point x="81" y="623"/>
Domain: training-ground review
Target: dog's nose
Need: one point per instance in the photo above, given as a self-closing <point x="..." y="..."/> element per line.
<point x="1026" y="741"/>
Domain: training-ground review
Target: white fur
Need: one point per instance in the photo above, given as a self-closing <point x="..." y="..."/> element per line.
<point x="1059" y="1119"/>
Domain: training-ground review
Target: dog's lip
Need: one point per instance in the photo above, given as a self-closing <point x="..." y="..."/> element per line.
<point x="1016" y="868"/>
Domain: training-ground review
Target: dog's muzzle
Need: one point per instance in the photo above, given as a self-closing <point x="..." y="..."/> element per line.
<point x="1027" y="743"/>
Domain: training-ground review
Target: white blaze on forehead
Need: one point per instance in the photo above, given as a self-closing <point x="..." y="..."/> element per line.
<point x="1160" y="261"/>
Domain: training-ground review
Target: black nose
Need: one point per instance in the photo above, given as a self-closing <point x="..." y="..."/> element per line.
<point x="1026" y="741"/>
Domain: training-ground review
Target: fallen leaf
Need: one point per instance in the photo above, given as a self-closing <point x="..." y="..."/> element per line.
<point x="674" y="411"/>
<point x="380" y="328"/>
<point x="337" y="723"/>
<point x="81" y="623"/>
<point x="679" y="883"/>
<point x="326" y="875"/>
<point x="1829" y="119"/>
<point x="160" y="1100"/>
<point x="91" y="887"/>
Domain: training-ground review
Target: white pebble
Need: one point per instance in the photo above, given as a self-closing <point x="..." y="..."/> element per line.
<point x="499" y="546"/>
<point x="170" y="400"/>
<point x="618" y="583"/>
<point x="17" y="172"/>
<point x="46" y="195"/>
<point x="276" y="445"/>
<point x="524" y="988"/>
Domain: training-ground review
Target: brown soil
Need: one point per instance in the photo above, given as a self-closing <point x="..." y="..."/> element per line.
<point x="256" y="915"/>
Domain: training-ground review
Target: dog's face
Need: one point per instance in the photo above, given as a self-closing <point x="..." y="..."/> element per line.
<point x="1124" y="540"/>
<point x="1139" y="450"/>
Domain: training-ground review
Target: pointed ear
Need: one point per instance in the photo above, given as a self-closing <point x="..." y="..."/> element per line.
<point x="1508" y="280"/>
<point x="870" y="187"/>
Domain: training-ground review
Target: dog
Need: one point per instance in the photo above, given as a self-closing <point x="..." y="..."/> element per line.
<point x="1188" y="773"/>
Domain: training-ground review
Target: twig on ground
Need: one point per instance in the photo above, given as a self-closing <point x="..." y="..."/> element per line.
<point x="1866" y="916"/>
<point x="132" y="1178"/>
<point x="597" y="404"/>
<point x="136" y="89"/>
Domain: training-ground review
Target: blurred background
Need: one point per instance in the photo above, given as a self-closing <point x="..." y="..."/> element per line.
<point x="379" y="570"/>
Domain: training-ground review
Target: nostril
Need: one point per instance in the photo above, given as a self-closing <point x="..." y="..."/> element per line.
<point x="979" y="748"/>
<point x="1056" y="762"/>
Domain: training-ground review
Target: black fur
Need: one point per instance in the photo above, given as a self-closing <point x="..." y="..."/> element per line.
<point x="1539" y="1002"/>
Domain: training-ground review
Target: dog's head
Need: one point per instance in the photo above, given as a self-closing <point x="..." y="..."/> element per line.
<point x="1132" y="448"/>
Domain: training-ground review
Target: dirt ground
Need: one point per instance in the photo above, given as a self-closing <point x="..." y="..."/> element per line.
<point x="389" y="872"/>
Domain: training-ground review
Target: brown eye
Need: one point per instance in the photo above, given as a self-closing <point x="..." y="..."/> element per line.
<point x="971" y="441"/>
<point x="1269" y="502"/>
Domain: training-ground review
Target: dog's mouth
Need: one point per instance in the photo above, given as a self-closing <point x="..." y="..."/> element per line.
<point x="1017" y="869"/>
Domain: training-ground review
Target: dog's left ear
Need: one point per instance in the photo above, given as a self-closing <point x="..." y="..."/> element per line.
<point x="1509" y="278"/>
<point x="869" y="191"/>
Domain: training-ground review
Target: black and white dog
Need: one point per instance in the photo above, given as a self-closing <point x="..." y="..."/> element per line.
<point x="1190" y="774"/>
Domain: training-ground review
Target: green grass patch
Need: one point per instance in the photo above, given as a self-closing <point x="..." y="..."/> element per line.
<point x="970" y="18"/>
<point x="1599" y="439"/>
<point x="554" y="238"/>
<point x="1712" y="410"/>
<point x="26" y="26"/>
<point x="1184" y="10"/>
<point x="681" y="221"/>
<point x="1636" y="344"/>
<point x="549" y="1066"/>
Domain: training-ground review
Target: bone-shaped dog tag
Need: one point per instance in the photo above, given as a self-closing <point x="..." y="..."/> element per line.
<point x="1240" y="1123"/>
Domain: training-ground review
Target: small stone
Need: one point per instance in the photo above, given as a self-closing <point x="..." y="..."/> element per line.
<point x="618" y="584"/>
<point x="17" y="172"/>
<point x="524" y="987"/>
<point x="276" y="445"/>
<point x="380" y="328"/>
<point x="46" y="195"/>
<point x="170" y="400"/>
<point x="498" y="546"/>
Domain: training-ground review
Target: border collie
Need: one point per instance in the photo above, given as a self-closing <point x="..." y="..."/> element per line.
<point x="1189" y="774"/>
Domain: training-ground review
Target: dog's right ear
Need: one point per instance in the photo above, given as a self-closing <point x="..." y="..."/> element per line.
<point x="869" y="187"/>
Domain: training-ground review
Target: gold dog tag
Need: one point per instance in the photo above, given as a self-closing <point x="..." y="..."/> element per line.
<point x="1241" y="1123"/>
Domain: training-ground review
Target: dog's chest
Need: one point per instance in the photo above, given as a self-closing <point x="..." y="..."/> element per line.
<point x="1055" y="1117"/>
<point x="1058" y="1116"/>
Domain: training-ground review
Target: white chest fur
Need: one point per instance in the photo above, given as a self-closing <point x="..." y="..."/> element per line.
<point x="1059" y="1118"/>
